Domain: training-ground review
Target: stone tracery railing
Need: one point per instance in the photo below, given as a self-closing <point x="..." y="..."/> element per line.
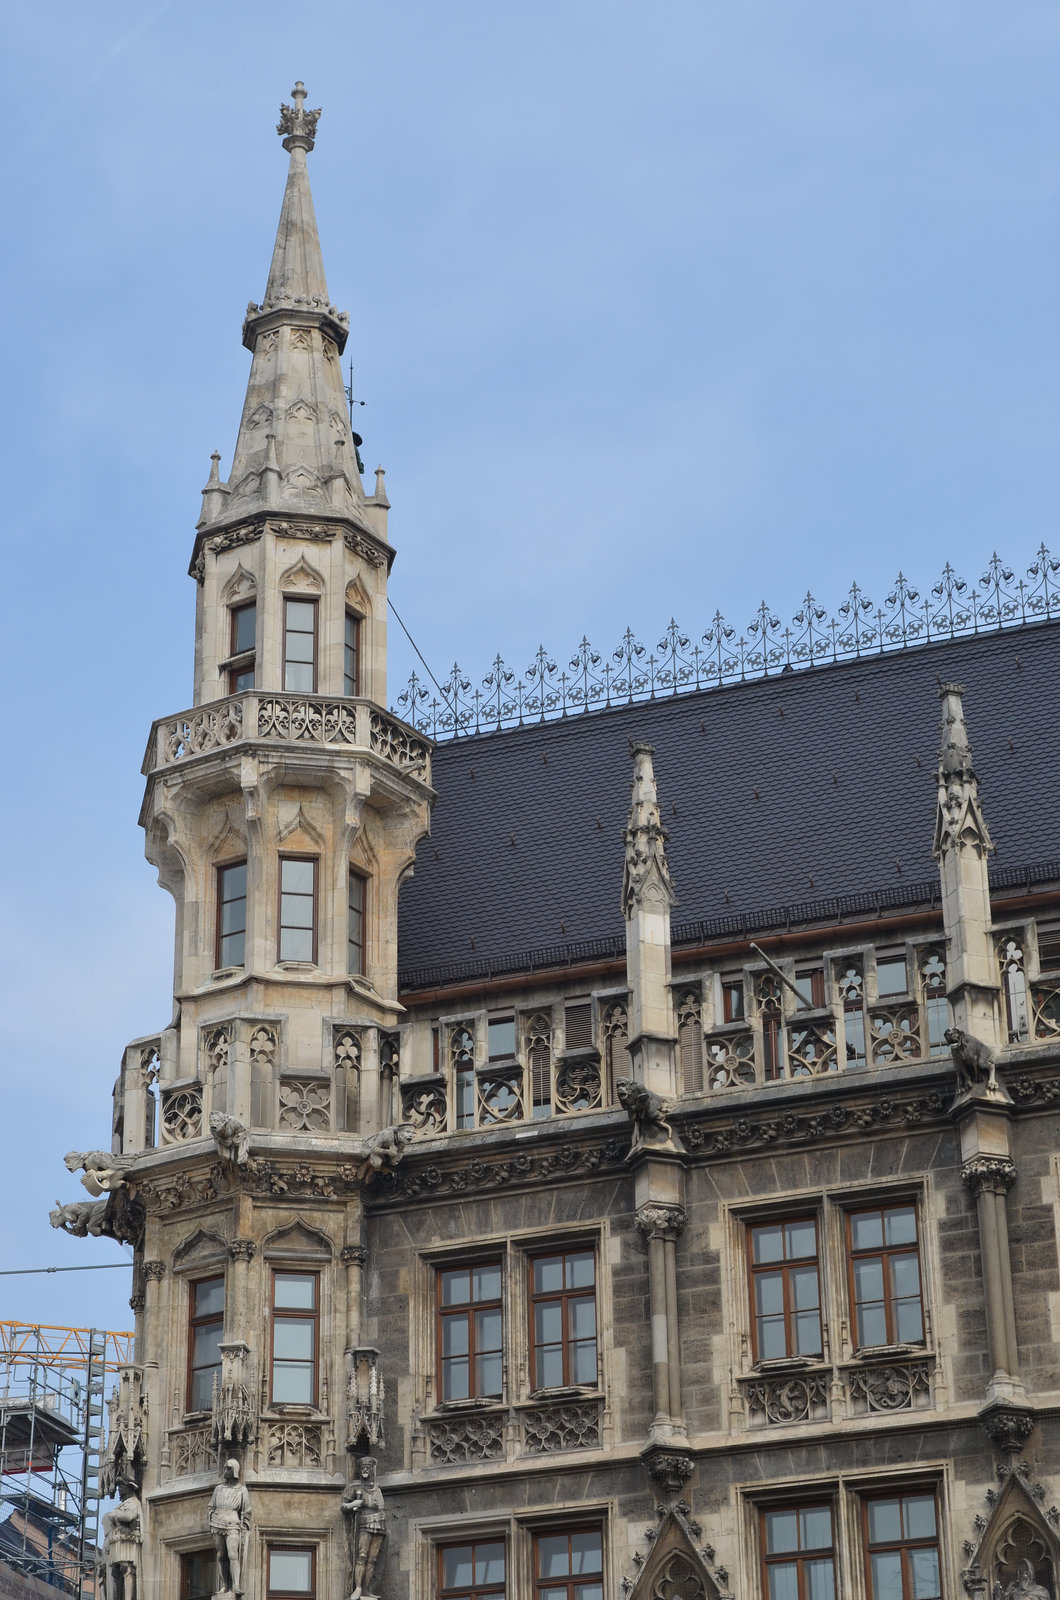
<point x="289" y="719"/>
<point x="591" y="680"/>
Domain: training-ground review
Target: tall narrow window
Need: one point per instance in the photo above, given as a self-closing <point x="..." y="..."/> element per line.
<point x="885" y="1276"/>
<point x="850" y="981"/>
<point x="732" y="1001"/>
<point x="578" y="1024"/>
<point x="902" y="1548"/>
<point x="231" y="915"/>
<point x="771" y="1005"/>
<point x="298" y="909"/>
<point x="462" y="1055"/>
<point x="294" y="1338"/>
<point x="470" y="1325"/>
<point x="563" y="1319"/>
<point x="351" y="655"/>
<point x="936" y="1009"/>
<point x="241" y="647"/>
<point x="355" y="925"/>
<point x="617" y="1062"/>
<point x="690" y="1042"/>
<point x="569" y="1565"/>
<point x="292" y="1572"/>
<point x="300" y="646"/>
<point x="539" y="1060"/>
<point x="472" y="1571"/>
<point x="798" y="1553"/>
<point x="785" y="1289"/>
<point x="1014" y="986"/>
<point x="810" y="983"/>
<point x="205" y="1332"/>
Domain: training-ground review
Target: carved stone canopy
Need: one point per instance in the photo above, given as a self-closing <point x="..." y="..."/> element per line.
<point x="678" y="1564"/>
<point x="1017" y="1552"/>
<point x="1009" y="1426"/>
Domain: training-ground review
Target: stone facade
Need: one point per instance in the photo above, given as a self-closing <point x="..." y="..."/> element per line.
<point x="691" y="1277"/>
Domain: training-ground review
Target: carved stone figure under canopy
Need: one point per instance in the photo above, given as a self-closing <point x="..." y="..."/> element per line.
<point x="362" y="1506"/>
<point x="123" y="1532"/>
<point x="1024" y="1587"/>
<point x="228" y="1520"/>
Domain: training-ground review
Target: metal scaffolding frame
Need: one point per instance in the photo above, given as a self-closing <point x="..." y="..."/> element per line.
<point x="51" y="1445"/>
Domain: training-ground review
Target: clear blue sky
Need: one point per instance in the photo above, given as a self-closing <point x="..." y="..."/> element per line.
<point x="656" y="309"/>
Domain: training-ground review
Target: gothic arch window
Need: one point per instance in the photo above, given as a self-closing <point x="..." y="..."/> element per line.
<point x="617" y="1062"/>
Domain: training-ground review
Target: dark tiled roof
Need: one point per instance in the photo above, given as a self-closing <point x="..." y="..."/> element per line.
<point x="813" y="786"/>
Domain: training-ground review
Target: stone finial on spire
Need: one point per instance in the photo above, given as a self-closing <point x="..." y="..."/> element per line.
<point x="646" y="872"/>
<point x="960" y="823"/>
<point x="298" y="125"/>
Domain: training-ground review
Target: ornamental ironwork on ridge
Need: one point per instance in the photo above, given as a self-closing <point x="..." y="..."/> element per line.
<point x="593" y="680"/>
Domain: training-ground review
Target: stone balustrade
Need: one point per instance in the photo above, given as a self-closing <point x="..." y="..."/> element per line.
<point x="315" y="721"/>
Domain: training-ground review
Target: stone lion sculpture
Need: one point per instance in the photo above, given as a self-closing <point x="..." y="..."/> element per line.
<point x="386" y="1148"/>
<point x="975" y="1061"/>
<point x="80" y="1217"/>
<point x="231" y="1137"/>
<point x="646" y="1110"/>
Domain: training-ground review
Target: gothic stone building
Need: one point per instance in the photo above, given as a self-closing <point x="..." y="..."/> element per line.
<point x="553" y="1192"/>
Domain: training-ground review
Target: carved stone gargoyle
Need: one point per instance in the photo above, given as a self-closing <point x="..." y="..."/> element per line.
<point x="975" y="1061"/>
<point x="647" y="1111"/>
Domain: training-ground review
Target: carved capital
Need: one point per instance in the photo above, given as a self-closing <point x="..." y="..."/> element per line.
<point x="137" y="1301"/>
<point x="670" y="1469"/>
<point x="661" y="1221"/>
<point x="990" y="1174"/>
<point x="353" y="1254"/>
<point x="154" y="1271"/>
<point x="242" y="1249"/>
<point x="1008" y="1426"/>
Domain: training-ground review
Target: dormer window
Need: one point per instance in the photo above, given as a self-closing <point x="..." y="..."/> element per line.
<point x="300" y="646"/>
<point x="241" y="647"/>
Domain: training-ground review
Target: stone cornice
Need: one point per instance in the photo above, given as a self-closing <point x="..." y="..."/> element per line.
<point x="218" y="537"/>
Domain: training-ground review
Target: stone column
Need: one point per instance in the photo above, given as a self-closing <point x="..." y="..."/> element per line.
<point x="354" y="1256"/>
<point x="153" y="1273"/>
<point x="647" y="899"/>
<point x="661" y="1224"/>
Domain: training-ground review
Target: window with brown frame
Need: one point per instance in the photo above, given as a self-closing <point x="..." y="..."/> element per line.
<point x="291" y="1571"/>
<point x="798" y="1552"/>
<point x="883" y="1250"/>
<point x="356" y="906"/>
<point x="475" y="1571"/>
<point x="810" y="983"/>
<point x="231" y="934"/>
<point x="732" y="1000"/>
<point x="569" y="1564"/>
<point x="902" y="1547"/>
<point x="785" y="1289"/>
<point x="295" y="1314"/>
<point x="241" y="645"/>
<point x="470" y="1317"/>
<point x="563" y="1319"/>
<point x="206" y="1315"/>
<point x="298" y="909"/>
<point x="198" y="1575"/>
<point x="300" y="646"/>
<point x="351" y="655"/>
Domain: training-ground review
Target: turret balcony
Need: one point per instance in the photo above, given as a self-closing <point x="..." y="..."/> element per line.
<point x="314" y="722"/>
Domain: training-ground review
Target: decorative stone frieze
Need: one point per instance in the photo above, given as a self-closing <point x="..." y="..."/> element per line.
<point x="991" y="1174"/>
<point x="656" y="1221"/>
<point x="293" y="1444"/>
<point x="573" y="1425"/>
<point x="192" y="1451"/>
<point x="305" y="1106"/>
<point x="705" y="1137"/>
<point x="455" y="1441"/>
<point x="890" y="1388"/>
<point x="787" y="1398"/>
<point x="478" y="1176"/>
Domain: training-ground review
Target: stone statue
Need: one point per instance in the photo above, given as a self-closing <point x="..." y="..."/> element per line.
<point x="1025" y="1586"/>
<point x="228" y="1520"/>
<point x="975" y="1061"/>
<point x="386" y="1148"/>
<point x="362" y="1507"/>
<point x="231" y="1138"/>
<point x="123" y="1532"/>
<point x="80" y="1217"/>
<point x="103" y="1173"/>
<point x="647" y="1112"/>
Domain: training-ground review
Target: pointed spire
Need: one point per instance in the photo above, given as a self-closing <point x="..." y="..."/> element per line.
<point x="646" y="874"/>
<point x="960" y="823"/>
<point x="286" y="459"/>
